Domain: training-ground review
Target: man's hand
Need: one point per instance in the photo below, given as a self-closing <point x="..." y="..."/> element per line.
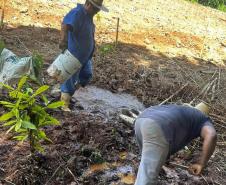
<point x="63" y="45"/>
<point x="196" y="169"/>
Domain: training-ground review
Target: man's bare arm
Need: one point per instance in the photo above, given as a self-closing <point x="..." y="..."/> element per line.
<point x="64" y="36"/>
<point x="209" y="136"/>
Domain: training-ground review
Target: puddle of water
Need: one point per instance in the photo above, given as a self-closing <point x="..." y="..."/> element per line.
<point x="98" y="167"/>
<point x="128" y="179"/>
<point x="98" y="100"/>
<point x="124" y="172"/>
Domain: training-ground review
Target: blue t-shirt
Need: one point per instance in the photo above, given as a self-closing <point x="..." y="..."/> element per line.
<point x="180" y="124"/>
<point x="81" y="38"/>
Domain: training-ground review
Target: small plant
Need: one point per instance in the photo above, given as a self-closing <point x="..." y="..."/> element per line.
<point x="27" y="114"/>
<point x="98" y="17"/>
<point x="37" y="61"/>
<point x="106" y="48"/>
<point x="96" y="157"/>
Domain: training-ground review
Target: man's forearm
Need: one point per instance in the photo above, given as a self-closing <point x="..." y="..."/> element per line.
<point x="207" y="149"/>
<point x="64" y="32"/>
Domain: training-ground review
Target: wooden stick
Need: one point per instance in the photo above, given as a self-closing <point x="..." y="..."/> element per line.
<point x="116" y="40"/>
<point x="1" y="169"/>
<point x="166" y="100"/>
<point x="73" y="176"/>
<point x="11" y="183"/>
<point x="204" y="89"/>
<point x="3" y="14"/>
<point x="217" y="116"/>
<point x="219" y="79"/>
<point x="209" y="86"/>
<point x="179" y="165"/>
<point x="220" y="124"/>
<point x="53" y="174"/>
<point x="221" y="143"/>
<point x="214" y="89"/>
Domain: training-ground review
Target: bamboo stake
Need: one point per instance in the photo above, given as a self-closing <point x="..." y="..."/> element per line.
<point x="3" y="14"/>
<point x="117" y="29"/>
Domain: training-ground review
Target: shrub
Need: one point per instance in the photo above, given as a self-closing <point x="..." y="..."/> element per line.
<point x="27" y="113"/>
<point x="218" y="4"/>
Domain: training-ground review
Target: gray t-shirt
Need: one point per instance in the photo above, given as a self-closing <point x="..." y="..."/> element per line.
<point x="180" y="124"/>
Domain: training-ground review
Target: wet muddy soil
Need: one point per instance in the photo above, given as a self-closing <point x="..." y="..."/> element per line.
<point x="160" y="51"/>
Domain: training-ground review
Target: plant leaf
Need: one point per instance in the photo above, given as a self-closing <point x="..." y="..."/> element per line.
<point x="55" y="105"/>
<point x="46" y="101"/>
<point x="27" y="124"/>
<point x="18" y="125"/>
<point x="6" y="86"/>
<point x="21" y="137"/>
<point x="22" y="82"/>
<point x="6" y="116"/>
<point x="10" y="123"/>
<point x="7" y="104"/>
<point x="40" y="90"/>
<point x="11" y="128"/>
<point x="15" y="94"/>
<point x="42" y="135"/>
<point x="16" y="113"/>
<point x="39" y="148"/>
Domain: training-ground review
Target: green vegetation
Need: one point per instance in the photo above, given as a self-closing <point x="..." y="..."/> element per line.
<point x="37" y="61"/>
<point x="106" y="48"/>
<point x="27" y="113"/>
<point x="2" y="46"/>
<point x="218" y="4"/>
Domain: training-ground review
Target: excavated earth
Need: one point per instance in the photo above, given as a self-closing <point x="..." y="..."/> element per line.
<point x="167" y="52"/>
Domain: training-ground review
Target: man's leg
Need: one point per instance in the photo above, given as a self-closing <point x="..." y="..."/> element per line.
<point x="86" y="73"/>
<point x="67" y="90"/>
<point x="154" y="151"/>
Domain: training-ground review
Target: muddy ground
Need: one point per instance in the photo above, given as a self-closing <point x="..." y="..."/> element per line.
<point x="163" y="51"/>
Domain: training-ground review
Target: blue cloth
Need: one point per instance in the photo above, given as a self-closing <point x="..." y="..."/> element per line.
<point x="83" y="77"/>
<point x="81" y="38"/>
<point x="81" y="44"/>
<point x="180" y="124"/>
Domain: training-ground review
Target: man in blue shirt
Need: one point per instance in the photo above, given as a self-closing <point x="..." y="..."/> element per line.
<point x="163" y="130"/>
<point x="77" y="35"/>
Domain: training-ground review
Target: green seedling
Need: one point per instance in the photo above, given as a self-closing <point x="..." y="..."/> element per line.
<point x="37" y="61"/>
<point x="27" y="113"/>
<point x="106" y="48"/>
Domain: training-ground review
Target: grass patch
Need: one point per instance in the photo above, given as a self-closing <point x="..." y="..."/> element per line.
<point x="217" y="4"/>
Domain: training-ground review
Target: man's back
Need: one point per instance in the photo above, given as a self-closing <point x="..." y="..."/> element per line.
<point x="180" y="124"/>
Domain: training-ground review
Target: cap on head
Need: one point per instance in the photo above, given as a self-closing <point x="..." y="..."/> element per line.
<point x="203" y="107"/>
<point x="99" y="4"/>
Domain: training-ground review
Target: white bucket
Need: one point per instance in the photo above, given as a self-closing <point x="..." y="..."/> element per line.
<point x="64" y="67"/>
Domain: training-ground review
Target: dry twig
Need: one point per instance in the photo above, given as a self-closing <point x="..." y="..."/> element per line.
<point x="54" y="174"/>
<point x="166" y="100"/>
<point x="179" y="165"/>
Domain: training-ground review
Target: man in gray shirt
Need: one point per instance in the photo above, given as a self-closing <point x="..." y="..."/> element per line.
<point x="163" y="130"/>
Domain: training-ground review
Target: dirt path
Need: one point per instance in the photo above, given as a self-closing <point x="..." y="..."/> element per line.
<point x="163" y="45"/>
